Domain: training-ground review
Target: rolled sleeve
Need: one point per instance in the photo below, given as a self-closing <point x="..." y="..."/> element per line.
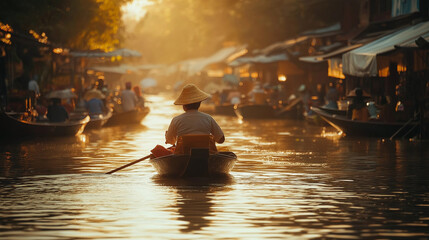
<point x="171" y="134"/>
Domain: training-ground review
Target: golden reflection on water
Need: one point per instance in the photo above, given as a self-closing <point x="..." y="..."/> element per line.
<point x="292" y="180"/>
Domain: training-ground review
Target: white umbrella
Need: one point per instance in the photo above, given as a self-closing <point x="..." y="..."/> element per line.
<point x="63" y="94"/>
<point x="148" y="83"/>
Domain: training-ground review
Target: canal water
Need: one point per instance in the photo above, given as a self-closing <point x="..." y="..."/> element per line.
<point x="293" y="180"/>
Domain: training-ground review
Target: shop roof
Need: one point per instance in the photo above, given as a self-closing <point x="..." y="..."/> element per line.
<point x="362" y="61"/>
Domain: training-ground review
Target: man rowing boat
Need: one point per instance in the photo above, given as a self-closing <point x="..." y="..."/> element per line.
<point x="192" y="121"/>
<point x="201" y="130"/>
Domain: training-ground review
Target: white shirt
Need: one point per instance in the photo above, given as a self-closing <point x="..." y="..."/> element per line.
<point x="33" y="86"/>
<point x="129" y="100"/>
<point x="192" y="122"/>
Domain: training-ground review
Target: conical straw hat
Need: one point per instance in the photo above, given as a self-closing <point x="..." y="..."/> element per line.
<point x="191" y="94"/>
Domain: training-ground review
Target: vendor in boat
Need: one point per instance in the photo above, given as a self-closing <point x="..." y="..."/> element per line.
<point x="357" y="110"/>
<point x="57" y="112"/>
<point x="140" y="99"/>
<point x="95" y="106"/>
<point x="192" y="121"/>
<point x="128" y="98"/>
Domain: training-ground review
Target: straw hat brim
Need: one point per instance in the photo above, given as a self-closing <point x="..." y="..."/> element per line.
<point x="191" y="94"/>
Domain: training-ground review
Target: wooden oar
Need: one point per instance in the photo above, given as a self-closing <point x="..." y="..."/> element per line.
<point x="129" y="164"/>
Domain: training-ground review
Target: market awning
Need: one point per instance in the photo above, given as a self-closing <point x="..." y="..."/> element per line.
<point x="275" y="48"/>
<point x="125" y="68"/>
<point x="120" y="69"/>
<point x="194" y="66"/>
<point x="258" y="59"/>
<point x="323" y="57"/>
<point x="412" y="43"/>
<point x="324" y="32"/>
<point x="362" y="61"/>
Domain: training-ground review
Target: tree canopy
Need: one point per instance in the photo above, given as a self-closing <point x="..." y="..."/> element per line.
<point x="178" y="29"/>
<point x="82" y="24"/>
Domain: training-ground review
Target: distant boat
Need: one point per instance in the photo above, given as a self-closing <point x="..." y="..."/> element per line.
<point x="226" y="110"/>
<point x="265" y="111"/>
<point x="98" y="121"/>
<point x="367" y="128"/>
<point x="197" y="164"/>
<point x="333" y="111"/>
<point x="130" y="117"/>
<point x="12" y="127"/>
<point x="255" y="111"/>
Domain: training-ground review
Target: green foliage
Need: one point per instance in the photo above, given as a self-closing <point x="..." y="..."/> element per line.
<point x="83" y="24"/>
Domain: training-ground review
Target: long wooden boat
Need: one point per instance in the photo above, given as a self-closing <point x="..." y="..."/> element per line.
<point x="130" y="117"/>
<point x="197" y="164"/>
<point x="254" y="111"/>
<point x="293" y="110"/>
<point x="333" y="111"/>
<point x="11" y="127"/>
<point x="367" y="128"/>
<point x="226" y="110"/>
<point x="98" y="121"/>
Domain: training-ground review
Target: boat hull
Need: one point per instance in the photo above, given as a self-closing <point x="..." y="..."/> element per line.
<point x="13" y="127"/>
<point x="130" y="117"/>
<point x="213" y="165"/>
<point x="98" y="122"/>
<point x="366" y="128"/>
<point x="255" y="111"/>
<point x="226" y="110"/>
<point x="334" y="111"/>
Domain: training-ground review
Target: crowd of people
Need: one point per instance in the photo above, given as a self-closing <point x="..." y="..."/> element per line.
<point x="95" y="101"/>
<point x="98" y="99"/>
<point x="356" y="104"/>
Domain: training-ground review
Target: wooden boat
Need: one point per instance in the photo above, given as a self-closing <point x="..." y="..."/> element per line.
<point x="208" y="108"/>
<point x="226" y="110"/>
<point x="130" y="117"/>
<point x="97" y="121"/>
<point x="291" y="111"/>
<point x="14" y="127"/>
<point x="198" y="164"/>
<point x="314" y="119"/>
<point x="333" y="111"/>
<point x="253" y="111"/>
<point x="367" y="128"/>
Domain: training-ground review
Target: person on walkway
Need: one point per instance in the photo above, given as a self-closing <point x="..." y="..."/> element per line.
<point x="56" y="112"/>
<point x="332" y="97"/>
<point x="192" y="121"/>
<point x="33" y="86"/>
<point x="304" y="93"/>
<point x="321" y="94"/>
<point x="258" y="95"/>
<point x="128" y="98"/>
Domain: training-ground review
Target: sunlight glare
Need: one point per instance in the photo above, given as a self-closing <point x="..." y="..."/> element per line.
<point x="135" y="10"/>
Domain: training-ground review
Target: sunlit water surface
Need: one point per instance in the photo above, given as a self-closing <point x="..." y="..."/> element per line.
<point x="293" y="181"/>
